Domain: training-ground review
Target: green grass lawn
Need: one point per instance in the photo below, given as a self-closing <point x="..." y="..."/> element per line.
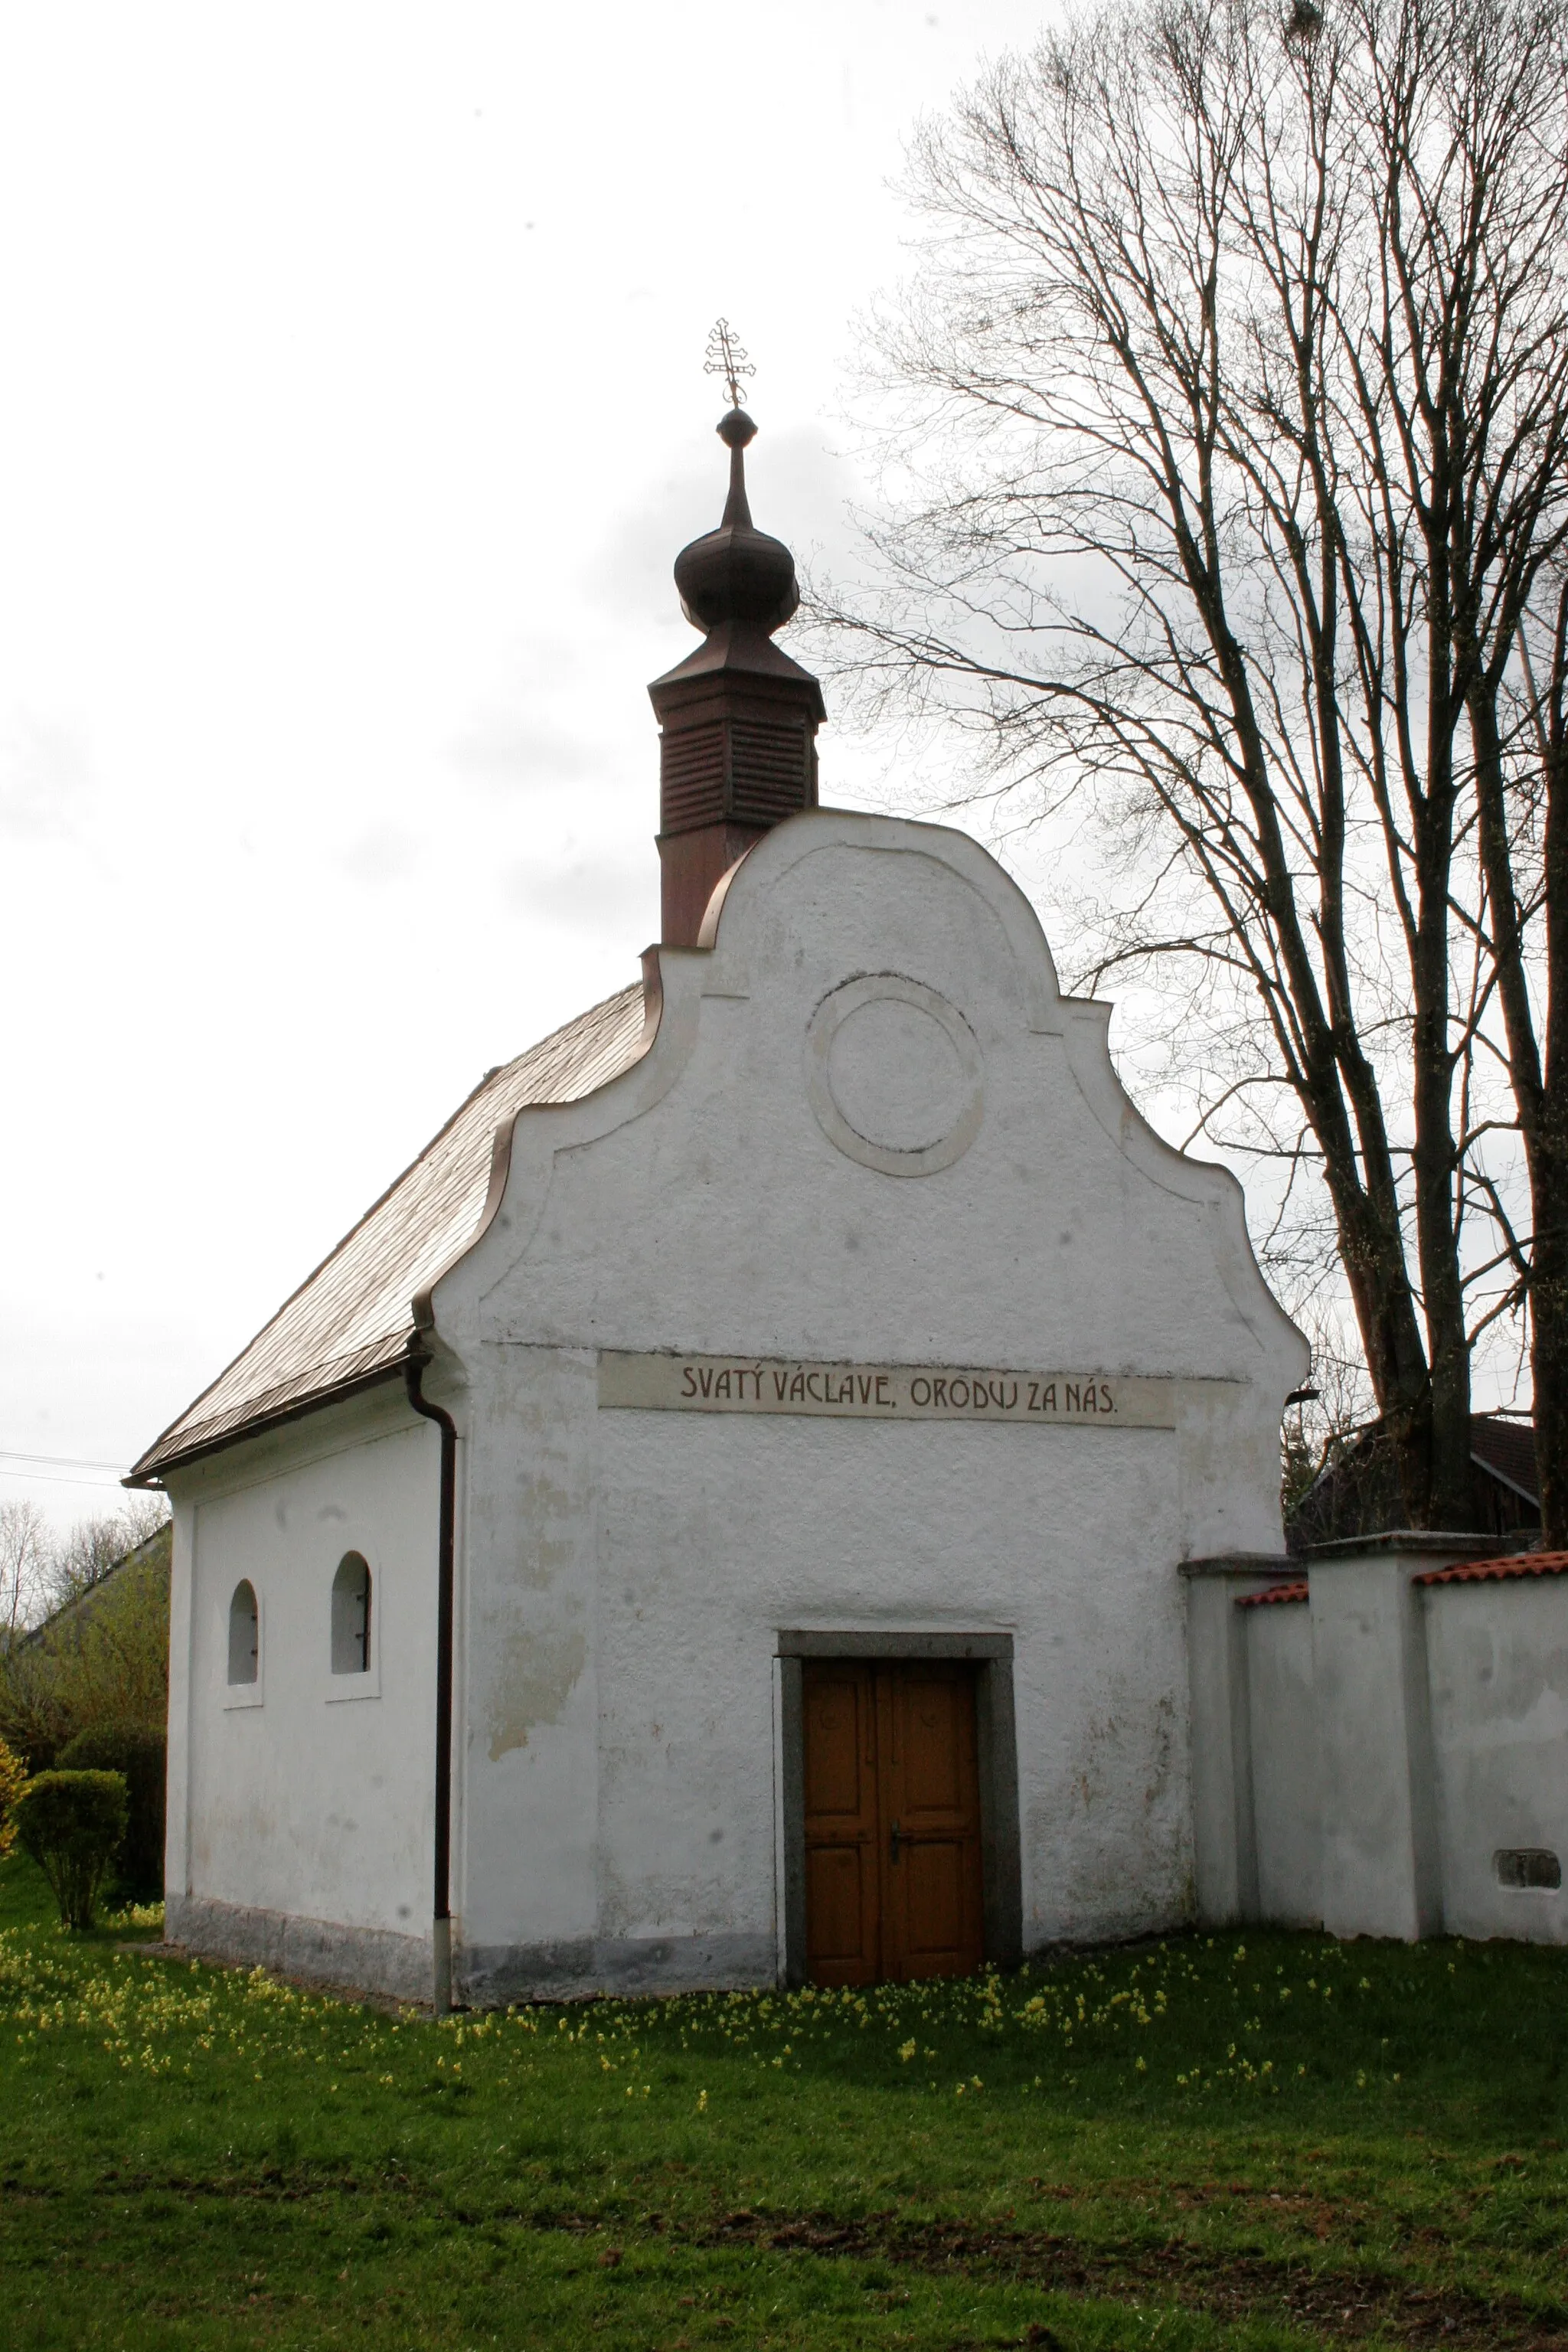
<point x="1255" y="2141"/>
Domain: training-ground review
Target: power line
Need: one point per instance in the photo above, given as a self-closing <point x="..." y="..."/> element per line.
<point x="60" y="1461"/>
<point x="54" y="1478"/>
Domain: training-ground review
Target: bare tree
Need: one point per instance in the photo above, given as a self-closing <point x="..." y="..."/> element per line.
<point x="24" y="1568"/>
<point x="1521" y="728"/>
<point x="1231" y="405"/>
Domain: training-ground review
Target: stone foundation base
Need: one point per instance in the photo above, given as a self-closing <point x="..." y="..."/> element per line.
<point x="487" y="1976"/>
<point x="365" y="1960"/>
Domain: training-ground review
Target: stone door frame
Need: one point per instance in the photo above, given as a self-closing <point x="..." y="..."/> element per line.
<point x="996" y="1730"/>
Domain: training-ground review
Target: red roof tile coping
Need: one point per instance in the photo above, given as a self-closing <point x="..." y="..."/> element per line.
<point x="1496" y="1572"/>
<point x="1468" y="1572"/>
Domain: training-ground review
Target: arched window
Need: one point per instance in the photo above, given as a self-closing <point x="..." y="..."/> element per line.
<point x="350" y="1615"/>
<point x="244" y="1634"/>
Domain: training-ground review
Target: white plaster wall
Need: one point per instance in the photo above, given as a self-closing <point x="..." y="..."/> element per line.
<point x="176" y="1828"/>
<point x="1287" y="1802"/>
<point x="625" y="1574"/>
<point x="526" y="1863"/>
<point x="709" y="1546"/>
<point x="1380" y="1863"/>
<point x="313" y="1804"/>
<point x="620" y="1759"/>
<point x="1498" y="1664"/>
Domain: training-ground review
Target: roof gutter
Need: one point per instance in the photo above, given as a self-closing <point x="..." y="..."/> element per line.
<point x="445" y="1552"/>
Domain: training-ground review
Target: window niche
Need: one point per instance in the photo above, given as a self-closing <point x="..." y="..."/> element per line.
<point x="353" y="1658"/>
<point x="1528" y="1865"/>
<point x="244" y="1678"/>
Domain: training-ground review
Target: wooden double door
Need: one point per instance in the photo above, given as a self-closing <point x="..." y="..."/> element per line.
<point x="893" y="1878"/>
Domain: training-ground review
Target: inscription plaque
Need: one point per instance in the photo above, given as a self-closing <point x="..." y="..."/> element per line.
<point x="671" y="1383"/>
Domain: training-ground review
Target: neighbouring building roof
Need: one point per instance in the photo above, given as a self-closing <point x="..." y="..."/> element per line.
<point x="1494" y="1571"/>
<point x="350" y="1322"/>
<point x="154" y="1551"/>
<point x="1356" y="1492"/>
<point x="1507" y="1448"/>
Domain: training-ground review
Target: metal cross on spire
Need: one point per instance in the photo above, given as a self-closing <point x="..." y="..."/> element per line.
<point x="726" y="356"/>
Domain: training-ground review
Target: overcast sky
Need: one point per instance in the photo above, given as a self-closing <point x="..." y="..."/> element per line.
<point x="352" y="413"/>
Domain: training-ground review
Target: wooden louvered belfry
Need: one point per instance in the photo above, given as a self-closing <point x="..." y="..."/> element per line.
<point x="738" y="718"/>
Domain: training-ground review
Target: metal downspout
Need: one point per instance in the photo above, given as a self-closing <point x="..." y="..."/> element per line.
<point x="441" y="1915"/>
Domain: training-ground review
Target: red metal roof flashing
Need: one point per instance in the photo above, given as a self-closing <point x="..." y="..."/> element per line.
<point x="1495" y="1571"/>
<point x="1297" y="1592"/>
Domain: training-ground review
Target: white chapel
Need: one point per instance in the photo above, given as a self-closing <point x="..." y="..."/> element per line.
<point x="767" y="1495"/>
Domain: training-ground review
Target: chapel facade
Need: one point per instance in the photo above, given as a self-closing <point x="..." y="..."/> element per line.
<point x="766" y="1495"/>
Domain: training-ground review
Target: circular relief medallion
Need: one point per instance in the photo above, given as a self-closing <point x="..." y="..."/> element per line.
<point x="894" y="1075"/>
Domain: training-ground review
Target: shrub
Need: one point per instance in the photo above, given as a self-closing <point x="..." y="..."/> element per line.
<point x="13" y="1780"/>
<point x="70" y="1823"/>
<point x="140" y="1756"/>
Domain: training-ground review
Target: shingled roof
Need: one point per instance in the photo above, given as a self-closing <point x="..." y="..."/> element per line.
<point x="1506" y="1447"/>
<point x="1356" y="1492"/>
<point x="350" y="1322"/>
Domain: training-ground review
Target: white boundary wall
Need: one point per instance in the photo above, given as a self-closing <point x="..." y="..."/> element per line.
<point x="1498" y="1659"/>
<point x="1398" y="1749"/>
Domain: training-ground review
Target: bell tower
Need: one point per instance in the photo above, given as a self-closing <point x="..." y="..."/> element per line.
<point x="738" y="718"/>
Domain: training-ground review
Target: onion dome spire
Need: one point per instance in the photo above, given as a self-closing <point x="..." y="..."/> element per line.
<point x="738" y="718"/>
<point x="737" y="572"/>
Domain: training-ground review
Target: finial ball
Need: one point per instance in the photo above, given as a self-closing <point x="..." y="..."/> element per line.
<point x="735" y="429"/>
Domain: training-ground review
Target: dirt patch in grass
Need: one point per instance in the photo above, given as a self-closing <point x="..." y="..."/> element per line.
<point x="1335" y="2303"/>
<point x="1348" y="2305"/>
